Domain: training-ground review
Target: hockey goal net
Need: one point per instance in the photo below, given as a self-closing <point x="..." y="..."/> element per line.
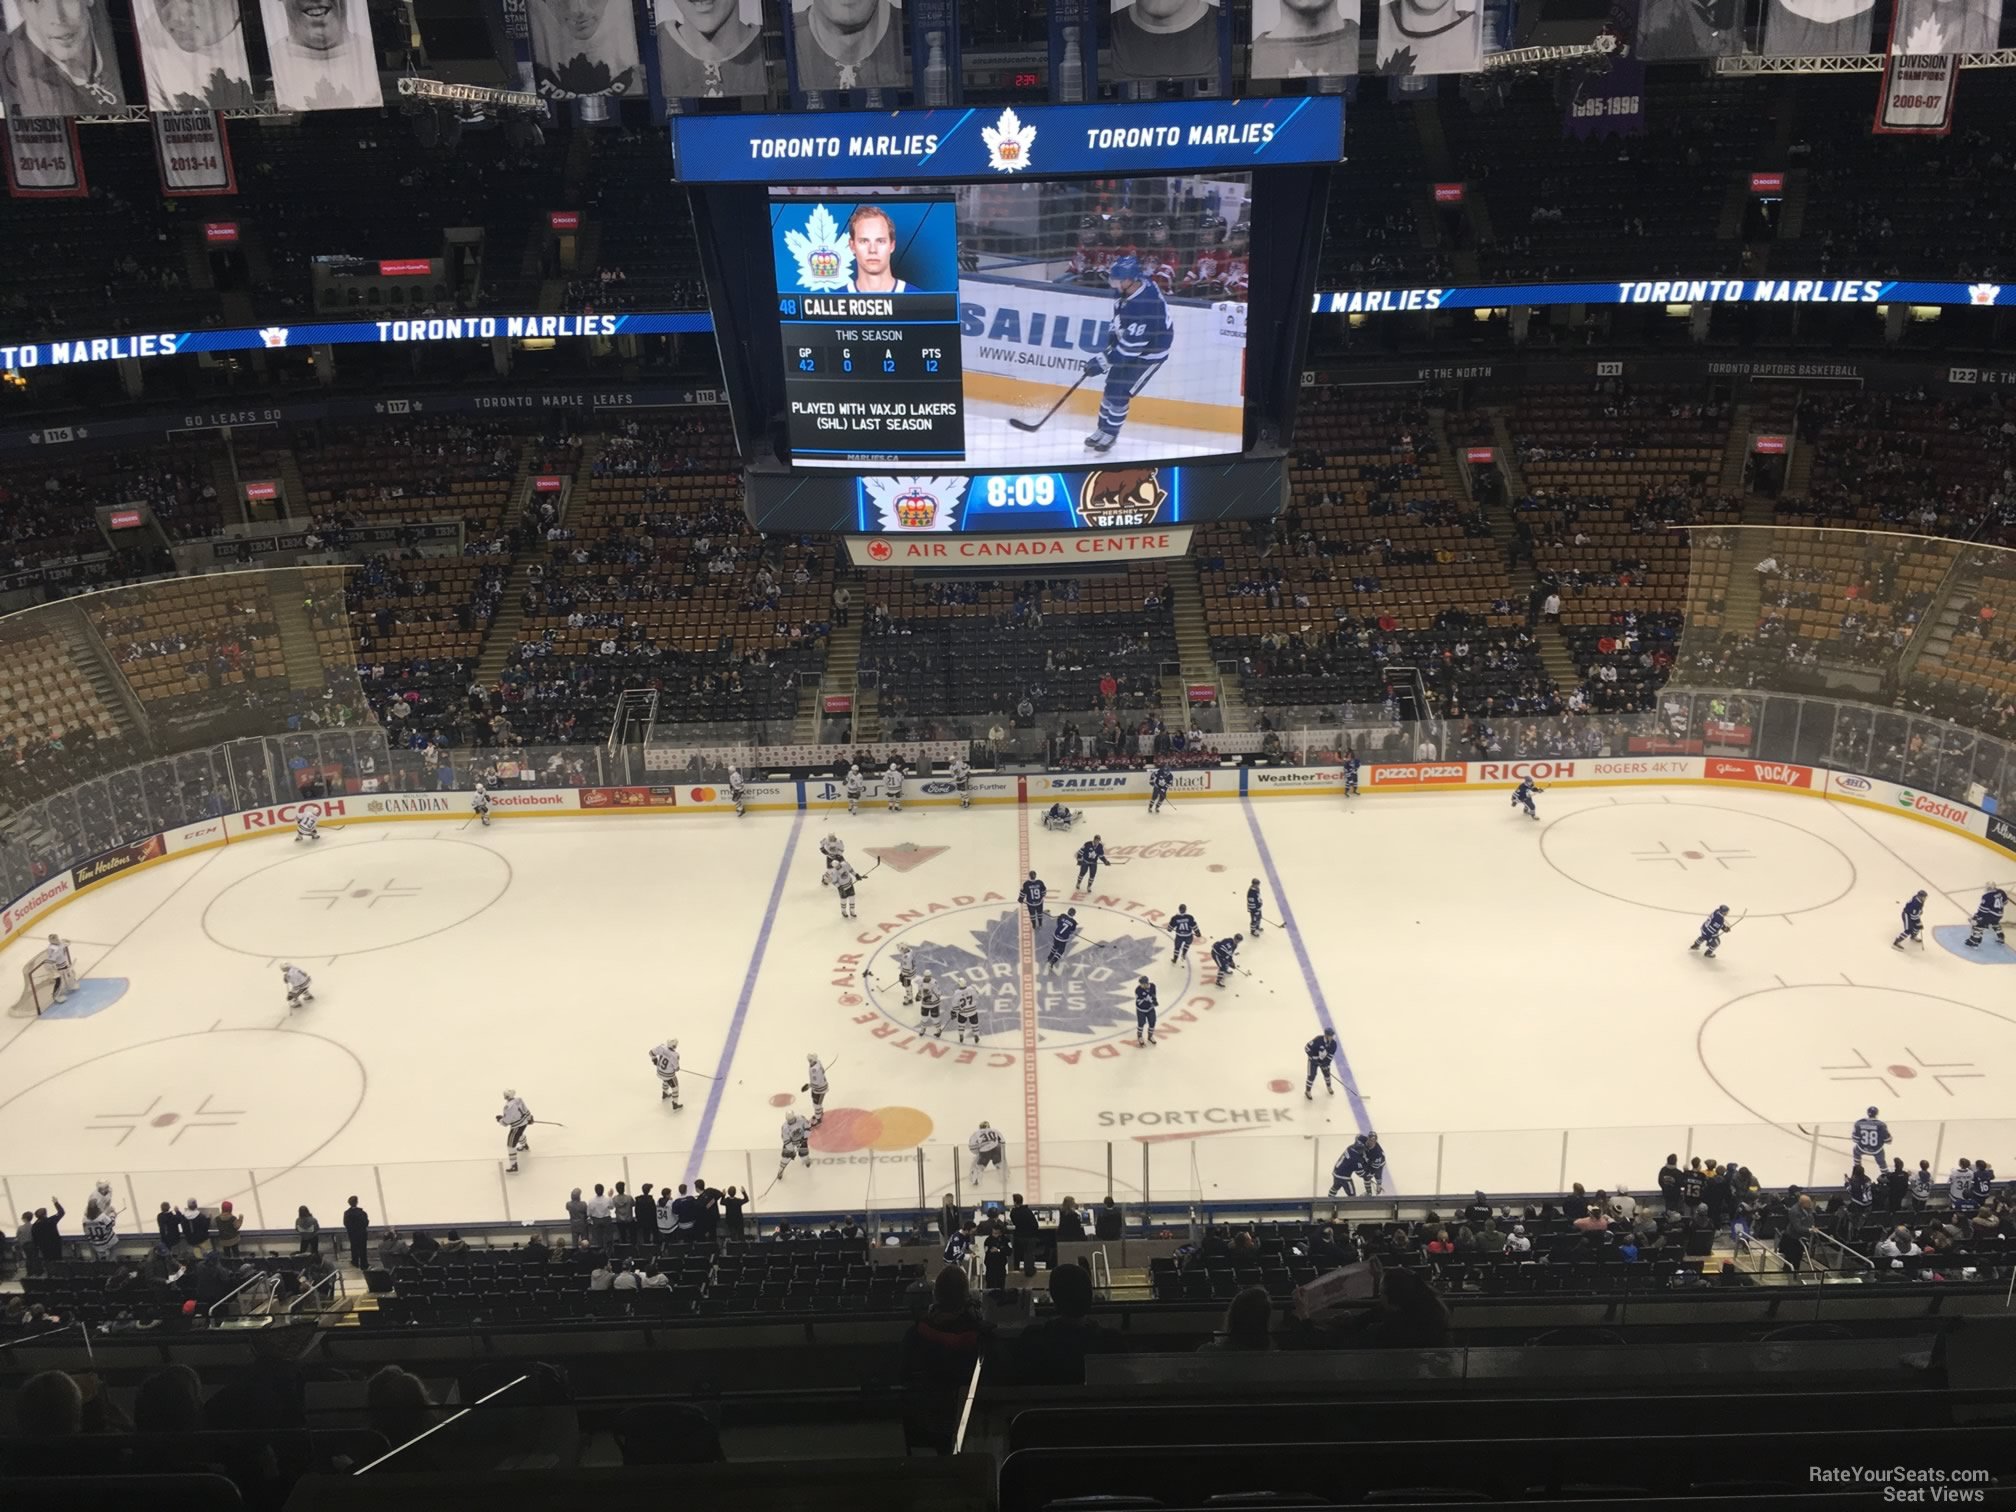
<point x="38" y="990"/>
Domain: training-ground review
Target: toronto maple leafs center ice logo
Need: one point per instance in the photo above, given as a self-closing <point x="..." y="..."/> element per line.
<point x="916" y="503"/>
<point x="825" y="260"/>
<point x="1090" y="993"/>
<point x="1008" y="142"/>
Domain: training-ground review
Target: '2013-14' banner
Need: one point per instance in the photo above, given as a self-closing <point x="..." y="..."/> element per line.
<point x="194" y="154"/>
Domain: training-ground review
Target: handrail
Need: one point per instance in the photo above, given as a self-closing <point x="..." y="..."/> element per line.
<point x="295" y="1302"/>
<point x="211" y="1310"/>
<point x="49" y="1333"/>
<point x="966" y="1412"/>
<point x="1867" y="1262"/>
<point x="445" y="1422"/>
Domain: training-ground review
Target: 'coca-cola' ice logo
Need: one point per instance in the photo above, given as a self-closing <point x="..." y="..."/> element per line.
<point x="1154" y="850"/>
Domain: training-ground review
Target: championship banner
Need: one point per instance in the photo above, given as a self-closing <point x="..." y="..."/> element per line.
<point x="1819" y="28"/>
<point x="518" y="31"/>
<point x="838" y="45"/>
<point x="43" y="161"/>
<point x="58" y="60"/>
<point x="709" y="49"/>
<point x="192" y="55"/>
<point x="1165" y="39"/>
<point x="1074" y="52"/>
<point x="194" y="154"/>
<point x="322" y="58"/>
<point x="1608" y="104"/>
<point x="582" y="49"/>
<point x="1419" y="39"/>
<point x="1301" y="39"/>
<point x="1921" y="67"/>
<point x="936" y="74"/>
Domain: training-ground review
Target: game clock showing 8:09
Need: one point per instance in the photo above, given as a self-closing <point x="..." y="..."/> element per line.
<point x="868" y="309"/>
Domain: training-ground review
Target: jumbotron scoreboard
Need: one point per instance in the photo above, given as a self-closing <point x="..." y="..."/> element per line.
<point x="1036" y="318"/>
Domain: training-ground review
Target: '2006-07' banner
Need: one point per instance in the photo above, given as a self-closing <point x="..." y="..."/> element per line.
<point x="42" y="159"/>
<point x="194" y="154"/>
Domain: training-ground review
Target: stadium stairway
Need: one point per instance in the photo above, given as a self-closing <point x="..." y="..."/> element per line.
<point x="89" y="652"/>
<point x="1194" y="662"/>
<point x="843" y="667"/>
<point x="293" y="492"/>
<point x="297" y="642"/>
<point x="1745" y="598"/>
<point x="502" y="637"/>
<point x="1736" y="451"/>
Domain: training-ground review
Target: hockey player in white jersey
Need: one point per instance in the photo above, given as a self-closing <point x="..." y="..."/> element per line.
<point x="738" y="791"/>
<point x="962" y="779"/>
<point x="61" y="965"/>
<point x="481" y="804"/>
<point x="795" y="1142"/>
<point x="517" y="1120"/>
<point x="299" y="987"/>
<point x="305" y="826"/>
<point x="856" y="785"/>
<point x="906" y="973"/>
<point x="985" y="1144"/>
<point x="928" y="1006"/>
<point x="815" y="1083"/>
<point x="966" y="1015"/>
<point x="832" y="849"/>
<point x="892" y="788"/>
<point x="840" y="876"/>
<point x="665" y="1060"/>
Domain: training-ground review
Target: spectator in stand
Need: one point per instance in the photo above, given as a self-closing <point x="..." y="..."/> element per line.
<point x="170" y="1401"/>
<point x="195" y="1227"/>
<point x="168" y="1223"/>
<point x="1070" y="1226"/>
<point x="1247" y="1325"/>
<point x="396" y="1405"/>
<point x="1408" y="1315"/>
<point x="948" y="1218"/>
<point x="49" y="1405"/>
<point x="229" y="1226"/>
<point x="307" y="1231"/>
<point x="1053" y="1351"/>
<point x="644" y="1217"/>
<point x="47" y="1241"/>
<point x="939" y="1352"/>
<point x="601" y="1226"/>
<point x="1111" y="1222"/>
<point x="357" y="1226"/>
<point x="577" y="1218"/>
<point x="1022" y="1219"/>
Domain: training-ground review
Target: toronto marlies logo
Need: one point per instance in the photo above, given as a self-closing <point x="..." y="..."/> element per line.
<point x="1008" y="142"/>
<point x="916" y="503"/>
<point x="825" y="260"/>
<point x="1088" y="993"/>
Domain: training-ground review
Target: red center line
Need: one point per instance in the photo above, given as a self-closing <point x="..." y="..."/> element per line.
<point x="1032" y="1140"/>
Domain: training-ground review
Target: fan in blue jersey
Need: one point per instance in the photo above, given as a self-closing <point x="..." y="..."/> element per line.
<point x="1350" y="773"/>
<point x="1091" y="856"/>
<point x="1253" y="906"/>
<point x="1712" y="929"/>
<point x="1869" y="1136"/>
<point x="1031" y="898"/>
<point x="1159" y="780"/>
<point x="1523" y="796"/>
<point x="1223" y="956"/>
<point x="1137" y="344"/>
<point x="1988" y="916"/>
<point x="1064" y="932"/>
<point x="1184" y="928"/>
<point x="1914" y="922"/>
<point x="1319" y="1052"/>
<point x="1145" y="1003"/>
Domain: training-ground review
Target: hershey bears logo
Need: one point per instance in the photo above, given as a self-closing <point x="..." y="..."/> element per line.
<point x="1122" y="498"/>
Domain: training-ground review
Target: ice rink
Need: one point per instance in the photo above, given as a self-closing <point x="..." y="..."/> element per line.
<point x="1516" y="1002"/>
<point x="991" y="442"/>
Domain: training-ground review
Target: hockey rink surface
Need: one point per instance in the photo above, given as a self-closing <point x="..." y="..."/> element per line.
<point x="1516" y="1003"/>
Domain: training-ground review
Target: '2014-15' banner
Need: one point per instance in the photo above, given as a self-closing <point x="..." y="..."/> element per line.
<point x="42" y="159"/>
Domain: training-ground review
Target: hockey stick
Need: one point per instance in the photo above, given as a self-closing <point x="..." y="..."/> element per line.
<point x="1035" y="425"/>
<point x="864" y="876"/>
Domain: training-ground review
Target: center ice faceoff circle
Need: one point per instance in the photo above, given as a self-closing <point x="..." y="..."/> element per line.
<point x="1688" y="858"/>
<point x="1087" y="998"/>
<point x="347" y="897"/>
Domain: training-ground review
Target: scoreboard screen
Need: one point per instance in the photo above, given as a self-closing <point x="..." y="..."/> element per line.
<point x="1022" y="326"/>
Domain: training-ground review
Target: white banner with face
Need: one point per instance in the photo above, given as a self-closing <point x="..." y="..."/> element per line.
<point x="57" y="59"/>
<point x="322" y="55"/>
<point x="585" y="47"/>
<point x="192" y="53"/>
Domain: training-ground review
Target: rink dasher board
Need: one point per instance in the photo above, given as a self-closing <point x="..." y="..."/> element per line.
<point x="1039" y="789"/>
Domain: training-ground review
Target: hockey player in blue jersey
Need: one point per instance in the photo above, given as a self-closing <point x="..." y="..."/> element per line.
<point x="1869" y="1136"/>
<point x="1712" y="929"/>
<point x="1523" y="796"/>
<point x="1145" y="1003"/>
<point x="1184" y="927"/>
<point x="1319" y="1052"/>
<point x="1031" y="897"/>
<point x="1253" y="907"/>
<point x="1159" y="780"/>
<point x="1914" y="922"/>
<point x="1988" y="916"/>
<point x="1344" y="1174"/>
<point x="1058" y="817"/>
<point x="1374" y="1155"/>
<point x="1350" y="773"/>
<point x="1091" y="856"/>
<point x="1224" y="955"/>
<point x="1137" y="344"/>
<point x="1064" y="932"/>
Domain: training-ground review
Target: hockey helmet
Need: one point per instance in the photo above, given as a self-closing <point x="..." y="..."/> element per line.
<point x="56" y="939"/>
<point x="672" y="1044"/>
<point x="1124" y="270"/>
<point x="811" y="1060"/>
<point x="985" y="1125"/>
<point x="509" y="1094"/>
<point x="1872" y="1112"/>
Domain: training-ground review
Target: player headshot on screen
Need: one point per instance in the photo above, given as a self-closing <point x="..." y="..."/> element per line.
<point x="1165" y="39"/>
<point x="321" y="54"/>
<point x="872" y="235"/>
<point x="707" y="49"/>
<point x="193" y="54"/>
<point x="1303" y="39"/>
<point x="848" y="44"/>
<point x="59" y="60"/>
<point x="1430" y="36"/>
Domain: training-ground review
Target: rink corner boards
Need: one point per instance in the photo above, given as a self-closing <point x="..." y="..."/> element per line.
<point x="1038" y="789"/>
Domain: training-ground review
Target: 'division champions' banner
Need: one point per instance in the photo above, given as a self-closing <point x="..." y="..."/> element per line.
<point x="42" y="159"/>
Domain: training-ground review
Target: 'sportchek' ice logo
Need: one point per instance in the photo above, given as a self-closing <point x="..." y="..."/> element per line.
<point x="825" y="261"/>
<point x="917" y="503"/>
<point x="1008" y="142"/>
<point x="273" y="336"/>
<point x="1984" y="293"/>
<point x="1088" y="993"/>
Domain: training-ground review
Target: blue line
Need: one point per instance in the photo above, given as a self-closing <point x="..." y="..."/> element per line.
<point x="1278" y="130"/>
<point x="1308" y="971"/>
<point x="946" y="136"/>
<point x="699" y="1154"/>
